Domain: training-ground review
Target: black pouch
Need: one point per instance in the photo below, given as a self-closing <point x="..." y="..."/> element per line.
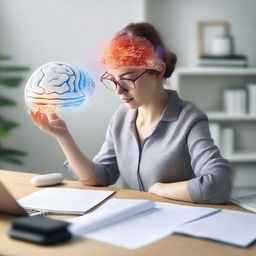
<point x="40" y="230"/>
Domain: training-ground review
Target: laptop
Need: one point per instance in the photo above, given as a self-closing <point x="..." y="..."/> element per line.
<point x="246" y="201"/>
<point x="9" y="205"/>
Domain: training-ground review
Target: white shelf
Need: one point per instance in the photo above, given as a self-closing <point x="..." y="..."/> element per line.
<point x="241" y="157"/>
<point x="215" y="71"/>
<point x="225" y="117"/>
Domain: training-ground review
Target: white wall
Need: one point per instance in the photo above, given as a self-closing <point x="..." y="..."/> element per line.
<point x="35" y="32"/>
<point x="177" y="20"/>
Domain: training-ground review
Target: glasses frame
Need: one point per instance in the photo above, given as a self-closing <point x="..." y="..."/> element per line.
<point x="116" y="82"/>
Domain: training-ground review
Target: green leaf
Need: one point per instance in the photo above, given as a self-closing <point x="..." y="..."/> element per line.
<point x="11" y="155"/>
<point x="4" y="57"/>
<point x="13" y="68"/>
<point x="7" y="152"/>
<point x="12" y="160"/>
<point x="6" y="126"/>
<point x="4" y="133"/>
<point x="11" y="81"/>
<point x="6" y="102"/>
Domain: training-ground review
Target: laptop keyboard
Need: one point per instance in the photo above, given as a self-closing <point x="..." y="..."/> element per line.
<point x="248" y="201"/>
<point x="32" y="212"/>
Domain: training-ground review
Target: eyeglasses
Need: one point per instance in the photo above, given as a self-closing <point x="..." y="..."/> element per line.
<point x="125" y="83"/>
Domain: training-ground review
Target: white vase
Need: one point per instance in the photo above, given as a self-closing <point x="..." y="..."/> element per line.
<point x="221" y="45"/>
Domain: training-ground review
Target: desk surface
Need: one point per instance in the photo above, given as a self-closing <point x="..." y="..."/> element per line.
<point x="19" y="185"/>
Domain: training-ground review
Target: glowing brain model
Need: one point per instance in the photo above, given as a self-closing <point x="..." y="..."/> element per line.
<point x="57" y="85"/>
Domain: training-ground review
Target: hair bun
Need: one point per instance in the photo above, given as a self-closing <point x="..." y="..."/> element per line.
<point x="170" y="62"/>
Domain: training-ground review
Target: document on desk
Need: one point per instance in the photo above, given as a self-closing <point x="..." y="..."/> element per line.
<point x="227" y="226"/>
<point x="109" y="215"/>
<point x="134" y="223"/>
<point x="64" y="200"/>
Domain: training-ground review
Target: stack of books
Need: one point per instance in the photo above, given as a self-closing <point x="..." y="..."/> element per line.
<point x="240" y="100"/>
<point x="235" y="101"/>
<point x="223" y="61"/>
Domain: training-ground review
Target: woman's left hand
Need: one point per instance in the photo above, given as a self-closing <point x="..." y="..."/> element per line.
<point x="176" y="190"/>
<point x="155" y="188"/>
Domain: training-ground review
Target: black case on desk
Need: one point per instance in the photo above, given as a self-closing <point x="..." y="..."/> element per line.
<point x="39" y="229"/>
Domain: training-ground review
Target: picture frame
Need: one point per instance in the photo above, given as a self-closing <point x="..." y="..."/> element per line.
<point x="206" y="31"/>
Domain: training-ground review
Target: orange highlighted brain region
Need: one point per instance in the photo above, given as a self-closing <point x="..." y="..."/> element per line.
<point x="57" y="85"/>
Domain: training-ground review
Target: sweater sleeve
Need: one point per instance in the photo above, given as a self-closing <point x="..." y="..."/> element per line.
<point x="212" y="182"/>
<point x="104" y="163"/>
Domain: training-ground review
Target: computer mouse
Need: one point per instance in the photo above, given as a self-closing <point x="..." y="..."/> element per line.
<point x="47" y="179"/>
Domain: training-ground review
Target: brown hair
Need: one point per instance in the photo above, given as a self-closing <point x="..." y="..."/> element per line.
<point x="148" y="31"/>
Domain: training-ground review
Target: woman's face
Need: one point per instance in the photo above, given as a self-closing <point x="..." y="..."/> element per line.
<point x="146" y="86"/>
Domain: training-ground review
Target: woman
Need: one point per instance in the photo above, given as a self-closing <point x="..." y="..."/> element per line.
<point x="156" y="141"/>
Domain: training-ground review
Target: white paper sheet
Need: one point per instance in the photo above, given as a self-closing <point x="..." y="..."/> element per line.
<point x="108" y="215"/>
<point x="147" y="227"/>
<point x="233" y="227"/>
<point x="64" y="200"/>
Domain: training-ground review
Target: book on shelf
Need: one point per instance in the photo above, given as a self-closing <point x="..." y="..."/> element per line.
<point x="251" y="98"/>
<point x="225" y="61"/>
<point x="224" y="138"/>
<point x="215" y="133"/>
<point x="235" y="101"/>
<point x="227" y="140"/>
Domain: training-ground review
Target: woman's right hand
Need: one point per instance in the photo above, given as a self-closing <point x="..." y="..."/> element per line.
<point x="53" y="125"/>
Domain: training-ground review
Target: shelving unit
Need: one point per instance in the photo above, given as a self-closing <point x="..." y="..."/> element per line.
<point x="214" y="116"/>
<point x="204" y="86"/>
<point x="242" y="157"/>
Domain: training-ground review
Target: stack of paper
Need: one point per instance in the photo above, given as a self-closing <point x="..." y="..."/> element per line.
<point x="64" y="200"/>
<point x="134" y="223"/>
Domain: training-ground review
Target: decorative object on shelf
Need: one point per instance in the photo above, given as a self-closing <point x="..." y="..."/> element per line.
<point x="222" y="45"/>
<point x="10" y="78"/>
<point x="216" y="46"/>
<point x="206" y="31"/>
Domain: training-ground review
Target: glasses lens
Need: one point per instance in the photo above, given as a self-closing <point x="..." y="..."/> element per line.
<point x="109" y="84"/>
<point x="126" y="84"/>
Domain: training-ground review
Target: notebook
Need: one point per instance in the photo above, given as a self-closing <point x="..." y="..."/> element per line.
<point x="64" y="200"/>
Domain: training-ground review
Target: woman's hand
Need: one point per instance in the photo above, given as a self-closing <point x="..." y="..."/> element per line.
<point x="176" y="190"/>
<point x="53" y="125"/>
<point x="155" y="188"/>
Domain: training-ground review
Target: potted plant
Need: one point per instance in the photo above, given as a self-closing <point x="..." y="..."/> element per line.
<point x="10" y="76"/>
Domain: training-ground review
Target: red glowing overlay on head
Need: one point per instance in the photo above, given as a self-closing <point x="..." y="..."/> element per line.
<point x="128" y="51"/>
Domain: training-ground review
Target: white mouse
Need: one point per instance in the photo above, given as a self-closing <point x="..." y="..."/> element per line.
<point x="47" y="179"/>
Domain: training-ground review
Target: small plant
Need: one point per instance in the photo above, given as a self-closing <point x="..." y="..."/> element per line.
<point x="9" y="77"/>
